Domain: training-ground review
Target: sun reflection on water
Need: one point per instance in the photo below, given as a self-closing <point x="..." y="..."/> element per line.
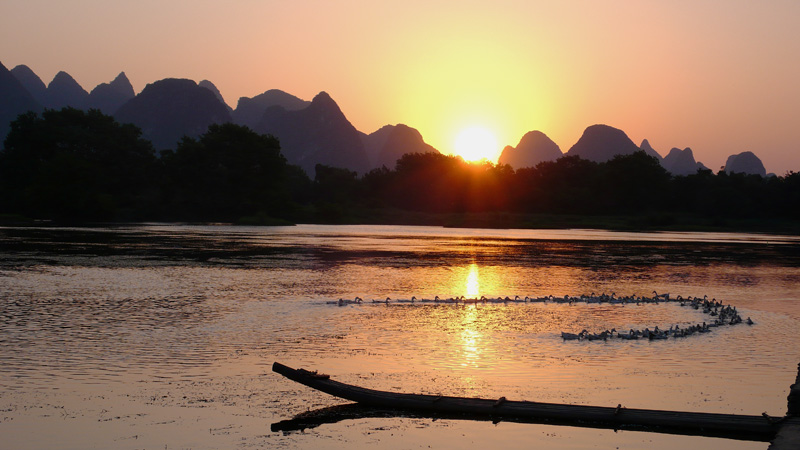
<point x="471" y="345"/>
<point x="473" y="287"/>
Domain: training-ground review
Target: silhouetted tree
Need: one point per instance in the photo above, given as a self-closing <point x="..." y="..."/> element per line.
<point x="790" y="193"/>
<point x="83" y="166"/>
<point x="376" y="184"/>
<point x="430" y="182"/>
<point x="632" y="183"/>
<point x="72" y="165"/>
<point x="227" y="173"/>
<point x="335" y="185"/>
<point x="488" y="187"/>
<point x="566" y="185"/>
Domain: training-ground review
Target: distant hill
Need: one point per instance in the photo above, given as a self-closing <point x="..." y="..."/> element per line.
<point x="317" y="134"/>
<point x="14" y="100"/>
<point x="651" y="151"/>
<point x="211" y="87"/>
<point x="374" y="142"/>
<point x="600" y="143"/>
<point x="533" y="148"/>
<point x="682" y="162"/>
<point x="386" y="145"/>
<point x="108" y="97"/>
<point x="250" y="111"/>
<point x="31" y="82"/>
<point x="65" y="91"/>
<point x="310" y="132"/>
<point x="171" y="108"/>
<point x="745" y="162"/>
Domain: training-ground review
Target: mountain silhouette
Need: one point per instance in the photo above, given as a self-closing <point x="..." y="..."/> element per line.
<point x="65" y="91"/>
<point x="374" y="142"/>
<point x="651" y="151"/>
<point x="108" y="97"/>
<point x="600" y="143"/>
<point x="310" y="132"/>
<point x="14" y="100"/>
<point x="250" y="111"/>
<point x="317" y="134"/>
<point x="34" y="85"/>
<point x="745" y="162"/>
<point x="171" y="108"/>
<point x="682" y="162"/>
<point x="211" y="87"/>
<point x="388" y="144"/>
<point x="533" y="148"/>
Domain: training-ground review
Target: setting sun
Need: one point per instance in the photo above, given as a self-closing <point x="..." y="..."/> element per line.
<point x="476" y="143"/>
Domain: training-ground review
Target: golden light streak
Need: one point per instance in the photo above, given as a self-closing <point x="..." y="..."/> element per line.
<point x="473" y="286"/>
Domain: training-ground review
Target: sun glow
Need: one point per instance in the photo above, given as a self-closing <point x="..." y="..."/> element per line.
<point x="476" y="143"/>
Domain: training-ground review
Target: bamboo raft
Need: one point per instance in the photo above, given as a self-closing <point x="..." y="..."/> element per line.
<point x="744" y="427"/>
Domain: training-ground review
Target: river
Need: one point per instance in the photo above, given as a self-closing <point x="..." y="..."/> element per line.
<point x="163" y="336"/>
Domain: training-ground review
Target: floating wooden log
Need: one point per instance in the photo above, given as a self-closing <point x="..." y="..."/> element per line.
<point x="755" y="428"/>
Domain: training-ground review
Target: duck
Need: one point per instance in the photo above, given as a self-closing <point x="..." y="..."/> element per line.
<point x="572" y="336"/>
<point x="596" y="337"/>
<point x="631" y="336"/>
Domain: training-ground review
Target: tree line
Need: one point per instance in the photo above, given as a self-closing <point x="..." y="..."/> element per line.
<point x="74" y="166"/>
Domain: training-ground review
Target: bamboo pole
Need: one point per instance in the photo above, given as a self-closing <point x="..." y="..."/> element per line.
<point x="755" y="428"/>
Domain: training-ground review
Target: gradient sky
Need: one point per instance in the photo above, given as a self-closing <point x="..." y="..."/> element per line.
<point x="721" y="77"/>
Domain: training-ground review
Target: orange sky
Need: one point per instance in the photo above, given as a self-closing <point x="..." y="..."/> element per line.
<point x="718" y="76"/>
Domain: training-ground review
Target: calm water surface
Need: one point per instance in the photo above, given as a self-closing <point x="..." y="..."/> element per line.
<point x="163" y="336"/>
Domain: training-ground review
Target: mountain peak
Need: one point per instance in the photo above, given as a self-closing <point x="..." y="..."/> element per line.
<point x="63" y="78"/>
<point x="650" y="150"/>
<point x="533" y="148"/>
<point x="122" y="81"/>
<point x="14" y="100"/>
<point x="108" y="97"/>
<point x="317" y="134"/>
<point x="326" y="107"/>
<point x="745" y="162"/>
<point x="249" y="111"/>
<point x="31" y="82"/>
<point x="170" y="84"/>
<point x="389" y="143"/>
<point x="211" y="87"/>
<point x="275" y="97"/>
<point x="322" y="97"/>
<point x="324" y="101"/>
<point x="600" y="143"/>
<point x="169" y="109"/>
<point x="681" y="162"/>
<point x="65" y="91"/>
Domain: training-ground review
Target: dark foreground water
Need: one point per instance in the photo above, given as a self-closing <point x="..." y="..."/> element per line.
<point x="163" y="336"/>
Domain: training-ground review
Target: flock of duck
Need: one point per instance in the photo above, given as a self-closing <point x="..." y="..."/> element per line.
<point x="720" y="314"/>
